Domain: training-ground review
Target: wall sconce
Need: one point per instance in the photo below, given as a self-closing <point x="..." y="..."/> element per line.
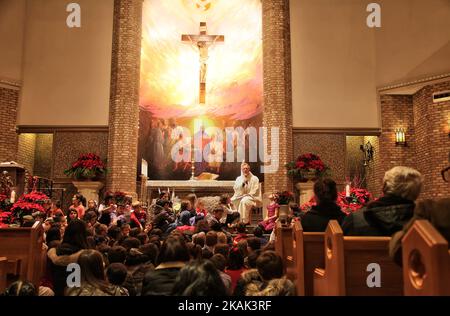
<point x="400" y="139"/>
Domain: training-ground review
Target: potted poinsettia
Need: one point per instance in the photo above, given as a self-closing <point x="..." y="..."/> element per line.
<point x="27" y="205"/>
<point x="87" y="167"/>
<point x="358" y="198"/>
<point x="307" y="167"/>
<point x="88" y="170"/>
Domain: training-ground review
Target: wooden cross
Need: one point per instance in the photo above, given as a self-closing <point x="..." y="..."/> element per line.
<point x="202" y="41"/>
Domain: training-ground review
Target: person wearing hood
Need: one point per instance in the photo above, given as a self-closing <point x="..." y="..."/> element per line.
<point x="246" y="191"/>
<point x="388" y="214"/>
<point x="316" y="219"/>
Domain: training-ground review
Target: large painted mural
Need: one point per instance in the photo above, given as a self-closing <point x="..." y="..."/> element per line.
<point x="201" y="72"/>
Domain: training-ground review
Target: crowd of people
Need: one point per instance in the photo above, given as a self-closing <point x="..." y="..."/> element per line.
<point x="123" y="249"/>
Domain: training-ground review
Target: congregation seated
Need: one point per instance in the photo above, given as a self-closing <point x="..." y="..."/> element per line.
<point x="93" y="278"/>
<point x="193" y="254"/>
<point x="199" y="278"/>
<point x="172" y="256"/>
<point x="316" y="219"/>
<point x="388" y="214"/>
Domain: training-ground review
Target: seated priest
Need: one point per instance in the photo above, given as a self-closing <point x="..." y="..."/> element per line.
<point x="246" y="193"/>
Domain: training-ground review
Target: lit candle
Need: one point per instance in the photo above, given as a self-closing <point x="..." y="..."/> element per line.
<point x="12" y="199"/>
<point x="347" y="190"/>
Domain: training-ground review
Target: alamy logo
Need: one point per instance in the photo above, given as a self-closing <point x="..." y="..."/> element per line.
<point x="374" y="18"/>
<point x="74" y="18"/>
<point x="74" y="278"/>
<point x="374" y="278"/>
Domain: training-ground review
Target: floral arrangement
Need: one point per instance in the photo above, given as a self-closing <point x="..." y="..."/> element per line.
<point x="307" y="164"/>
<point x="88" y="166"/>
<point x="358" y="198"/>
<point x="4" y="202"/>
<point x="28" y="204"/>
<point x="283" y="198"/>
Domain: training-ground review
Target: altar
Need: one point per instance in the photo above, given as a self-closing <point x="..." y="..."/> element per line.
<point x="185" y="187"/>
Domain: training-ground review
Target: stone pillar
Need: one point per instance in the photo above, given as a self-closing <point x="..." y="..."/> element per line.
<point x="277" y="86"/>
<point x="89" y="189"/>
<point x="124" y="100"/>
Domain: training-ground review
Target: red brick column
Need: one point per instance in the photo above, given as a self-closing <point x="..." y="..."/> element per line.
<point x="124" y="101"/>
<point x="277" y="86"/>
<point x="9" y="99"/>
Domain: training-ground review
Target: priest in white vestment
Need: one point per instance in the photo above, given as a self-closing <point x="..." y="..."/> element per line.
<point x="246" y="193"/>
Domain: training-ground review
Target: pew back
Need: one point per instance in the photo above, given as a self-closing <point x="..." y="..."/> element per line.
<point x="309" y="251"/>
<point x="350" y="262"/>
<point x="23" y="249"/>
<point x="301" y="252"/>
<point x="426" y="261"/>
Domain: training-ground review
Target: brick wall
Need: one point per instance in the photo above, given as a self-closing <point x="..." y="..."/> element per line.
<point x="428" y="144"/>
<point x="396" y="112"/>
<point x="433" y="144"/>
<point x="9" y="98"/>
<point x="124" y="101"/>
<point x="330" y="148"/>
<point x="69" y="145"/>
<point x="26" y="151"/>
<point x="43" y="156"/>
<point x="277" y="86"/>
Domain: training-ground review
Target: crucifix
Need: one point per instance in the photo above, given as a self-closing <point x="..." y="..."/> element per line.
<point x="202" y="41"/>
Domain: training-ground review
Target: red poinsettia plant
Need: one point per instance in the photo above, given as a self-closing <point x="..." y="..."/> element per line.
<point x="307" y="164"/>
<point x="28" y="204"/>
<point x="358" y="198"/>
<point x="284" y="197"/>
<point x="87" y="166"/>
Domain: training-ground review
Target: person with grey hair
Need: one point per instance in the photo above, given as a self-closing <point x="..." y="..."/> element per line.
<point x="388" y="214"/>
<point x="436" y="211"/>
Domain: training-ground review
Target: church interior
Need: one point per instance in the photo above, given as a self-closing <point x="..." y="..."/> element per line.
<point x="279" y="147"/>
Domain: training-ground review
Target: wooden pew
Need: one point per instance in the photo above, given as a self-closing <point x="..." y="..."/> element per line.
<point x="284" y="247"/>
<point x="3" y="272"/>
<point x="302" y="252"/>
<point x="23" y="249"/>
<point x="426" y="261"/>
<point x="309" y="251"/>
<point x="347" y="261"/>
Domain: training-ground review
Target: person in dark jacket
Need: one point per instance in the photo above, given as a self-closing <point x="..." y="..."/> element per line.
<point x="171" y="259"/>
<point x="74" y="240"/>
<point x="316" y="219"/>
<point x="388" y="214"/>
